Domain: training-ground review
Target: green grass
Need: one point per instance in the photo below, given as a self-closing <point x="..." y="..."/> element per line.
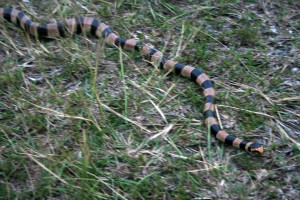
<point x="84" y="120"/>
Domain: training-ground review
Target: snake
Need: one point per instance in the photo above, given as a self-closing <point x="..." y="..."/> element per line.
<point x="93" y="27"/>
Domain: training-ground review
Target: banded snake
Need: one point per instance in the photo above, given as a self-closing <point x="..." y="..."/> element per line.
<point x="101" y="30"/>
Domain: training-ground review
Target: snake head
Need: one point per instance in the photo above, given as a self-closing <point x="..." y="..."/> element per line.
<point x="256" y="148"/>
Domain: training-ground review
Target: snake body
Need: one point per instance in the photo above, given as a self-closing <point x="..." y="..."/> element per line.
<point x="91" y="26"/>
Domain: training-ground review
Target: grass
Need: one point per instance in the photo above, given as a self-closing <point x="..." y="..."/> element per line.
<point x="84" y="120"/>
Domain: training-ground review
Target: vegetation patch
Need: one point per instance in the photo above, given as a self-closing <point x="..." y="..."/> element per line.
<point x="83" y="120"/>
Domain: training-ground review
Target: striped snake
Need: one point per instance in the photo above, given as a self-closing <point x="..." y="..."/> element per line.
<point x="95" y="28"/>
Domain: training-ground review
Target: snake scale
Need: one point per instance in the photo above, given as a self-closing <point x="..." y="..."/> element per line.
<point x="96" y="28"/>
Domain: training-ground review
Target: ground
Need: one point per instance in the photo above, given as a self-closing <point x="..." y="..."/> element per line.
<point x="81" y="119"/>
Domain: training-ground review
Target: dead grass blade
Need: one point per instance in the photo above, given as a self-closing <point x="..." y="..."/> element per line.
<point x="284" y="133"/>
<point x="45" y="168"/>
<point x="159" y="111"/>
<point x="296" y="98"/>
<point x="249" y="111"/>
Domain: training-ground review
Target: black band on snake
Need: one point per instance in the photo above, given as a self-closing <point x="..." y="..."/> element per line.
<point x="95" y="28"/>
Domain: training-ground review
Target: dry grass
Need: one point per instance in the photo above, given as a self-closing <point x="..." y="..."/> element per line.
<point x="80" y="119"/>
